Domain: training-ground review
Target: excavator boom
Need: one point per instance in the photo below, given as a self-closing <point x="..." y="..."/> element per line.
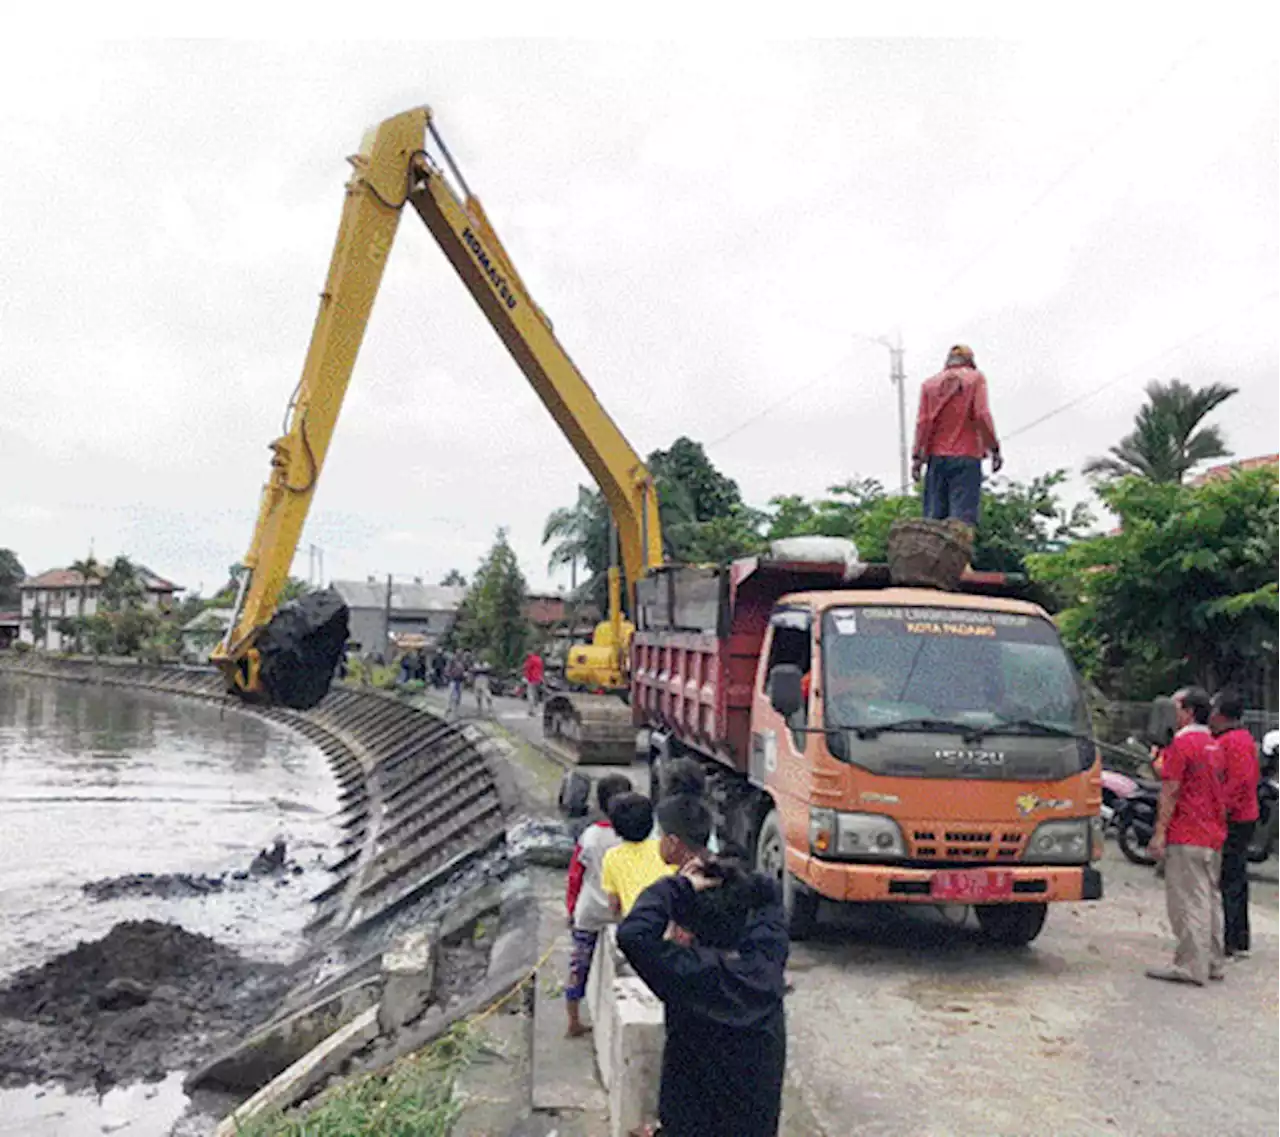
<point x="289" y="655"/>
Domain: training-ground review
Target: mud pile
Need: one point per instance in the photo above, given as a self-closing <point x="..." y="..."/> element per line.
<point x="146" y="999"/>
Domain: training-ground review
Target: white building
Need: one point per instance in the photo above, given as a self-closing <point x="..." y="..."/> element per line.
<point x="65" y="593"/>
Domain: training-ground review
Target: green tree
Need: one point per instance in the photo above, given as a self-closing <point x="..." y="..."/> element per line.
<point x="704" y="519"/>
<point x="453" y="579"/>
<point x="69" y="629"/>
<point x="1184" y="591"/>
<point x="133" y="627"/>
<point x="293" y="588"/>
<point x="101" y="633"/>
<point x="12" y="574"/>
<point x="492" y="622"/>
<point x="122" y="586"/>
<point x="1017" y="519"/>
<point x="1167" y="439"/>
<point x="39" y="625"/>
<point x="685" y="470"/>
<point x="1021" y="519"/>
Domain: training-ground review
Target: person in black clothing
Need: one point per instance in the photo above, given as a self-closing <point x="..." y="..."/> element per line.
<point x="726" y="1041"/>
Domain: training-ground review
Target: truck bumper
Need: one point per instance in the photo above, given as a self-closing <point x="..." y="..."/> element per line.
<point x="888" y="885"/>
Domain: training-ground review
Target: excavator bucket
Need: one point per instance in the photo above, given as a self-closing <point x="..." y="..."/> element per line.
<point x="300" y="649"/>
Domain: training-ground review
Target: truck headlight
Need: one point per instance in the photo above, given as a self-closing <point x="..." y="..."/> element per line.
<point x="868" y="835"/>
<point x="1060" y="842"/>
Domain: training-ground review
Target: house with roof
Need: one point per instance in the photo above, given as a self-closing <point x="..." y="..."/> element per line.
<point x="67" y="594"/>
<point x="1218" y="473"/>
<point x="201" y="633"/>
<point x="379" y="613"/>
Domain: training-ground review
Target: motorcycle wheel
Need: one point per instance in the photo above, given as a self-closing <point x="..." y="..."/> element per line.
<point x="1260" y="851"/>
<point x="1132" y="837"/>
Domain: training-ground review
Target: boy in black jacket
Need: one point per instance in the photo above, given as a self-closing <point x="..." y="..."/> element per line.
<point x="726" y="1050"/>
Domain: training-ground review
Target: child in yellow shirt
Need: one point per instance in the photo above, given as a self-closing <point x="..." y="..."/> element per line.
<point x="631" y="867"/>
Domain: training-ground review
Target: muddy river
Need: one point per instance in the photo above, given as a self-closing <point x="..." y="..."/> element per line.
<point x="100" y="786"/>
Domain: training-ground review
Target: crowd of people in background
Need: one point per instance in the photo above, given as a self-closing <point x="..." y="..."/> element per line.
<point x="460" y="671"/>
<point x="707" y="936"/>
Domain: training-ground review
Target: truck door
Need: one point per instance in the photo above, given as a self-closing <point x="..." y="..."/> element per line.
<point x="777" y="743"/>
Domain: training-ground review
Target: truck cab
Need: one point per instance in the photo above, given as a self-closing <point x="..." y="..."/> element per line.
<point x="938" y="751"/>
<point x="872" y="743"/>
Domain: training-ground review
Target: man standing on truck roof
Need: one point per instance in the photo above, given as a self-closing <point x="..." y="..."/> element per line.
<point x="954" y="432"/>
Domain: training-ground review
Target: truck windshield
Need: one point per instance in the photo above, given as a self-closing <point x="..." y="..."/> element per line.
<point x="976" y="668"/>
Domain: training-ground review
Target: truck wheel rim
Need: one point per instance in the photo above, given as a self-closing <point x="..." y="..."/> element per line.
<point x="771" y="856"/>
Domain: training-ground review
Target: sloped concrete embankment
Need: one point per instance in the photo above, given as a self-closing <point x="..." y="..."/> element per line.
<point x="421" y="924"/>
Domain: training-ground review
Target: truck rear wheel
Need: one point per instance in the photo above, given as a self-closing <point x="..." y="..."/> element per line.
<point x="1014" y="925"/>
<point x="800" y="903"/>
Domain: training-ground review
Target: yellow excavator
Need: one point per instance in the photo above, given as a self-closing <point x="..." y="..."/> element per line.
<point x="287" y="655"/>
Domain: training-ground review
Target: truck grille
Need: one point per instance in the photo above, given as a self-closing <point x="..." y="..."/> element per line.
<point x="947" y="841"/>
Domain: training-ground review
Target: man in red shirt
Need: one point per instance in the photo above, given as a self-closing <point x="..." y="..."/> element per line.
<point x="1191" y="826"/>
<point x="954" y="432"/>
<point x="533" y="679"/>
<point x="1240" y="757"/>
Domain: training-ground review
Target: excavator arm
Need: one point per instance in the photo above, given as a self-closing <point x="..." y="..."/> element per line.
<point x="266" y="652"/>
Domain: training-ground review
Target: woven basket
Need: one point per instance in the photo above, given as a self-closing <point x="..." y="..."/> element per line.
<point x="929" y="554"/>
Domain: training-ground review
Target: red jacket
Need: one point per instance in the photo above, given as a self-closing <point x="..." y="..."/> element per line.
<point x="954" y="420"/>
<point x="533" y="668"/>
<point x="1240" y="756"/>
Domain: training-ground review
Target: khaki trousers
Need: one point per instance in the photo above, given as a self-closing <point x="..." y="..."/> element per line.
<point x="1195" y="910"/>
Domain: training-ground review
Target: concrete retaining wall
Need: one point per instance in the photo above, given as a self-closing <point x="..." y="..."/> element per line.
<point x="628" y="1036"/>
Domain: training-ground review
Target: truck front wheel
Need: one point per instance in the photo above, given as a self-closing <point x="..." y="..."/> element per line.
<point x="1014" y="925"/>
<point x="800" y="903"/>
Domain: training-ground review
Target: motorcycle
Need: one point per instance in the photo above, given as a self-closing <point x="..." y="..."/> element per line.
<point x="1135" y="822"/>
<point x="1263" y="842"/>
<point x="1117" y="788"/>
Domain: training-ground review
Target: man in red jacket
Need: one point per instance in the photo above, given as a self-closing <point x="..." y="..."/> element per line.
<point x="1240" y="756"/>
<point x="533" y="680"/>
<point x="1191" y="826"/>
<point x="954" y="432"/>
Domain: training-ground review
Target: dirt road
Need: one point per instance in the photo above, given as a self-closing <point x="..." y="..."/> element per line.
<point x="908" y="1025"/>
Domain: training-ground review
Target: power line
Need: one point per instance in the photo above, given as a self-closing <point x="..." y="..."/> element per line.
<point x="999" y="236"/>
<point x="1133" y="370"/>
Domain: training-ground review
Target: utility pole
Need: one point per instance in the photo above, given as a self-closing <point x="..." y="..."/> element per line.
<point x="387" y="621"/>
<point x="898" y="375"/>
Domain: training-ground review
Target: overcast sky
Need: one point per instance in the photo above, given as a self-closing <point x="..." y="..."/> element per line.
<point x="709" y="227"/>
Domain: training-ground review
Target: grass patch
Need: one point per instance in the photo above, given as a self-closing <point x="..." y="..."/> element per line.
<point x="416" y="1098"/>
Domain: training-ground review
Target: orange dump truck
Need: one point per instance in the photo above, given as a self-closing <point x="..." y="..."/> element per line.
<point x="874" y="743"/>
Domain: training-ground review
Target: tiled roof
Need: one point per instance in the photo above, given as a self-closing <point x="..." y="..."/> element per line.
<point x="69" y="578"/>
<point x="10" y="617"/>
<point x="1217" y="473"/>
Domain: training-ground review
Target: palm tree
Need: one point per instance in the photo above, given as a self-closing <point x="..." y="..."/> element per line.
<point x="581" y="535"/>
<point x="90" y="573"/>
<point x="121" y="586"/>
<point x="1167" y="439"/>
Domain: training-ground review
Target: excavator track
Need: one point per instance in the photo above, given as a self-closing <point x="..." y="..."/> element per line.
<point x="589" y="730"/>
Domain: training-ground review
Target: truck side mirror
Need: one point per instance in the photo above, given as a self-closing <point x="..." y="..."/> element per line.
<point x="785" y="693"/>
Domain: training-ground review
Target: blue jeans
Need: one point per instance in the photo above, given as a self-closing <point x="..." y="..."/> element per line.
<point x="953" y="489"/>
